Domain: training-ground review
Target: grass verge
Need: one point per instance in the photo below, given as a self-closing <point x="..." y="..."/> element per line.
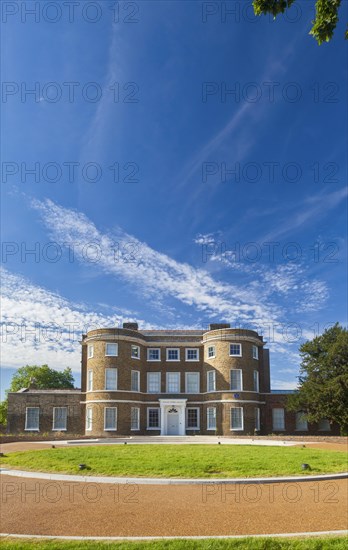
<point x="182" y="461"/>
<point x="325" y="543"/>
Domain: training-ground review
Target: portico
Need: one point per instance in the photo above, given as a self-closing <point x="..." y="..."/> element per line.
<point x="172" y="416"/>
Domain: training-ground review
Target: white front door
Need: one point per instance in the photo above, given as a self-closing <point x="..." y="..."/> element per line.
<point x="173" y="423"/>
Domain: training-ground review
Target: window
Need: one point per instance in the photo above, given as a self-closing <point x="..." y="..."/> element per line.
<point x="173" y="382"/>
<point x="211" y="380"/>
<point x="135" y="380"/>
<point x="236" y="380"/>
<point x="135" y="418"/>
<point x="60" y="415"/>
<point x="153" y="354"/>
<point x="89" y="413"/>
<point x="153" y="419"/>
<point x="111" y="350"/>
<point x="255" y="352"/>
<point x="301" y="422"/>
<point x="324" y="425"/>
<point x="192" y="354"/>
<point x="32" y="418"/>
<point x="192" y="382"/>
<point x="135" y="352"/>
<point x="90" y="380"/>
<point x="236" y="350"/>
<point x="278" y="419"/>
<point x="111" y="379"/>
<point x="256" y="380"/>
<point x="173" y="354"/>
<point x="153" y="382"/>
<point x="211" y="352"/>
<point x="90" y="351"/>
<point x="110" y="418"/>
<point x="237" y="418"/>
<point x="211" y="418"/>
<point x="257" y="419"/>
<point x="192" y="418"/>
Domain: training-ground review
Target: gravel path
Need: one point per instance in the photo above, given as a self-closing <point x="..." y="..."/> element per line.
<point x="39" y="507"/>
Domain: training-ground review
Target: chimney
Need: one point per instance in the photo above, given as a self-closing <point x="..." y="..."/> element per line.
<point x="130" y="326"/>
<point x="217" y="326"/>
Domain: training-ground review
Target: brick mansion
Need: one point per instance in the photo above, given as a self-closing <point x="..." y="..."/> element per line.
<point x="165" y="382"/>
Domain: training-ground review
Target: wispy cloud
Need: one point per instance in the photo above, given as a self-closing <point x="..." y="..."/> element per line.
<point x="313" y="209"/>
<point x="153" y="272"/>
<point x="39" y="326"/>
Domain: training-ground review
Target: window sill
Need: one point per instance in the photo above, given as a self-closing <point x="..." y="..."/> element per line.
<point x="59" y="429"/>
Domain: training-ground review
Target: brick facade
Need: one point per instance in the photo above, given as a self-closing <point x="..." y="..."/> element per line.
<point x="108" y="405"/>
<point x="46" y="401"/>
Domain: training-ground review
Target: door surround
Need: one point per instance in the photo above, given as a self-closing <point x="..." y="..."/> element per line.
<point x="168" y="404"/>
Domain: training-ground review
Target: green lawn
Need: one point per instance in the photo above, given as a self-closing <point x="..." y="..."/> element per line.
<point x="330" y="543"/>
<point x="206" y="461"/>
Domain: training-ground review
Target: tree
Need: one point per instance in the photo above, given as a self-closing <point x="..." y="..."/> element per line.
<point x="323" y="380"/>
<point x="3" y="412"/>
<point x="326" y="15"/>
<point x="42" y="377"/>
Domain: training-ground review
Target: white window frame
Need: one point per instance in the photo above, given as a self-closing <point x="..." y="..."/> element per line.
<point x="276" y="429"/>
<point x="213" y="417"/>
<point x="196" y="374"/>
<point x="168" y="350"/>
<point x="89" y="419"/>
<point x="298" y="422"/>
<point x="214" y="381"/>
<point x="240" y="354"/>
<point x="255" y="352"/>
<point x="135" y="410"/>
<point x="149" y="374"/>
<point x="214" y="352"/>
<point x="324" y="422"/>
<point x="241" y="380"/>
<point x="187" y="352"/>
<point x="54" y="420"/>
<point x="178" y="377"/>
<point x="116" y="379"/>
<point x="111" y="354"/>
<point x="136" y="374"/>
<point x="37" y="429"/>
<point x="90" y="380"/>
<point x="90" y="351"/>
<point x="114" y="429"/>
<point x="153" y="349"/>
<point x="256" y="380"/>
<point x="197" y="427"/>
<point x="257" y="419"/>
<point x="134" y="356"/>
<point x="148" y="418"/>
<point x="241" y="428"/>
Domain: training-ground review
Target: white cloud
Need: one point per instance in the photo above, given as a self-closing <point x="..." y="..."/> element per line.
<point x="152" y="272"/>
<point x="39" y="326"/>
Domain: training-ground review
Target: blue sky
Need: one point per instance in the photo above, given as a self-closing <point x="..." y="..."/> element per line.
<point x="190" y="168"/>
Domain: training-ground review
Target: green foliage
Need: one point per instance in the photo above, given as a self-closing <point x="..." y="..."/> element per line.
<point x="43" y="377"/>
<point x="323" y="380"/>
<point x="326" y="15"/>
<point x="270" y="543"/>
<point x="3" y="412"/>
